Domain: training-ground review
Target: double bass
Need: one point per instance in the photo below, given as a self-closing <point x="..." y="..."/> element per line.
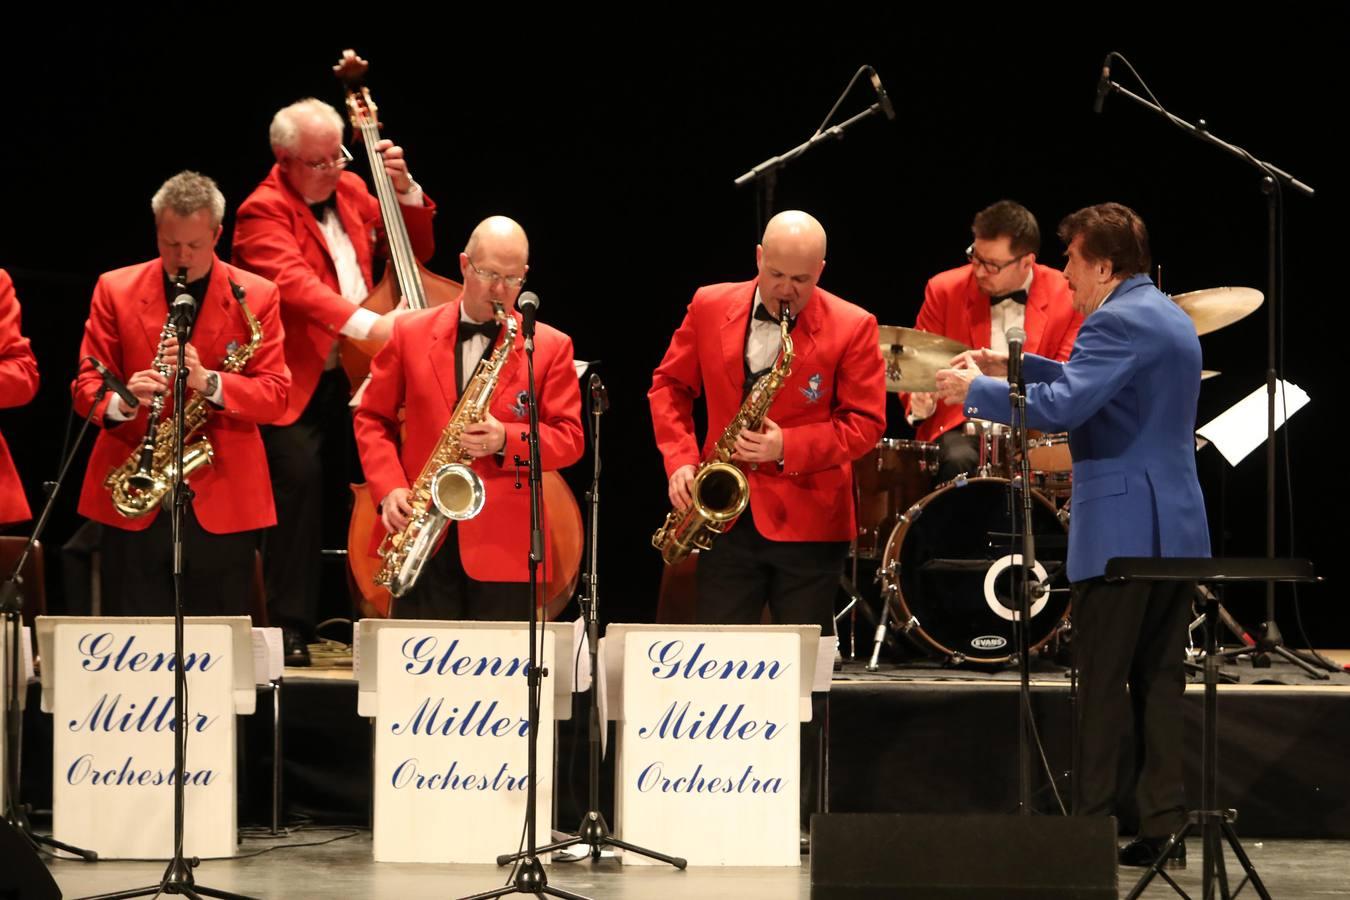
<point x="406" y="279"/>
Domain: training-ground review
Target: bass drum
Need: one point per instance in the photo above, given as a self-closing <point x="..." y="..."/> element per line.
<point x="948" y="566"/>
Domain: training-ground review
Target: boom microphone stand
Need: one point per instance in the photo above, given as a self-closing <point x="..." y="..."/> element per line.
<point x="1273" y="181"/>
<point x="765" y="175"/>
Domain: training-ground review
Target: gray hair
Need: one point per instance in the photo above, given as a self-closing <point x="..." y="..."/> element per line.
<point x="187" y="192"/>
<point x="285" y="129"/>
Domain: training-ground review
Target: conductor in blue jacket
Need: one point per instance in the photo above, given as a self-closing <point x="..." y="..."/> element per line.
<point x="1127" y="398"/>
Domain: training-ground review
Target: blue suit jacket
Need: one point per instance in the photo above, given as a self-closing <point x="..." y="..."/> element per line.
<point x="1127" y="398"/>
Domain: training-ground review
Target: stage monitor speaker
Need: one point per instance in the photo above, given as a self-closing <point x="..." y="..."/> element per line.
<point x="22" y="874"/>
<point x="870" y="856"/>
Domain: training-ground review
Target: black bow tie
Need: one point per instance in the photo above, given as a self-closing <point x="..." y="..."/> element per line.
<point x="469" y="329"/>
<point x="319" y="208"/>
<point x="762" y="314"/>
<point x="1018" y="296"/>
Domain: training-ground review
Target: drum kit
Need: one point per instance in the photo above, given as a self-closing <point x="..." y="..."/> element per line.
<point x="943" y="550"/>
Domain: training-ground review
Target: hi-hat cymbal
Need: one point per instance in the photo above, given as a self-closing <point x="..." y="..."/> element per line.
<point x="913" y="357"/>
<point x="1213" y="308"/>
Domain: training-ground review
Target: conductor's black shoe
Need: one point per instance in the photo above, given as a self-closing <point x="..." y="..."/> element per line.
<point x="1143" y="851"/>
<point x="294" y="646"/>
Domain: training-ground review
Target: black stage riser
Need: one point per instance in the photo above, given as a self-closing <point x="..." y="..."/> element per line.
<point x="880" y="857"/>
<point x="895" y="748"/>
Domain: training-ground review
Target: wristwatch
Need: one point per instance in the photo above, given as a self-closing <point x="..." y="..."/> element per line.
<point x="212" y="384"/>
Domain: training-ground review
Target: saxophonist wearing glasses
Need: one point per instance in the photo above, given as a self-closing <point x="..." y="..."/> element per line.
<point x="790" y="405"/>
<point x="237" y="380"/>
<point x="454" y="503"/>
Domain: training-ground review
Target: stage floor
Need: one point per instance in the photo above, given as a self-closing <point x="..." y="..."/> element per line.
<point x="1291" y="870"/>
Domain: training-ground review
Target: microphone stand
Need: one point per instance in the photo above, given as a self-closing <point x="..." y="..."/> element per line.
<point x="178" y="874"/>
<point x="529" y="875"/>
<point x="594" y="830"/>
<point x="1269" y="639"/>
<point x="765" y="175"/>
<point x="11" y="607"/>
<point x="1023" y="578"/>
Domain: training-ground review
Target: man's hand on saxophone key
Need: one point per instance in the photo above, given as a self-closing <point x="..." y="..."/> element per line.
<point x="483" y="438"/>
<point x="395" y="510"/>
<point x="763" y="446"/>
<point x="681" y="481"/>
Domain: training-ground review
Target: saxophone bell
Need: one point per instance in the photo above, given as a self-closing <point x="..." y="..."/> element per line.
<point x="457" y="492"/>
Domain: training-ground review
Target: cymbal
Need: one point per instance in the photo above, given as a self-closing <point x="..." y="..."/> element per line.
<point x="1207" y="374"/>
<point x="913" y="357"/>
<point x="1214" y="308"/>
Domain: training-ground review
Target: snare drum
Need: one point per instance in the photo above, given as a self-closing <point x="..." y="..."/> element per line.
<point x="1051" y="464"/>
<point x="892" y="477"/>
<point x="947" y="569"/>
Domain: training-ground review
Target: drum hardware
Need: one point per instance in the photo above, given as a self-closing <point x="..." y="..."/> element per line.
<point x="1064" y="514"/>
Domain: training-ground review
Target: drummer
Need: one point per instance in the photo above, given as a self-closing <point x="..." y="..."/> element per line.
<point x="1001" y="286"/>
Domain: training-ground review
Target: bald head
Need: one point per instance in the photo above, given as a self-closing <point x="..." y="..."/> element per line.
<point x="795" y="232"/>
<point x="497" y="250"/>
<point x="502" y="233"/>
<point x="791" y="258"/>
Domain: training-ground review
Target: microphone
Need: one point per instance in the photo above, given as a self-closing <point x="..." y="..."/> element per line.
<point x="115" y="384"/>
<point x="1016" y="338"/>
<point x="599" y="394"/>
<point x="183" y="308"/>
<point x="1103" y="84"/>
<point x="882" y="97"/>
<point x="528" y="304"/>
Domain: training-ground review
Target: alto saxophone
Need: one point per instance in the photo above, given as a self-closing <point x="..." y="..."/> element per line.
<point x="720" y="491"/>
<point x="146" y="478"/>
<point x="447" y="489"/>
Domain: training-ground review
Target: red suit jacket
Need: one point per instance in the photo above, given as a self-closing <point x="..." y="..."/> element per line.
<point x="415" y="372"/>
<point x="277" y="236"/>
<point x="126" y="318"/>
<point x="18" y="384"/>
<point x="832" y="409"/>
<point x="954" y="306"/>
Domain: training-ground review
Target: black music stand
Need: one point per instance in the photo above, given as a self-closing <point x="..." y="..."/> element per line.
<point x="1216" y="825"/>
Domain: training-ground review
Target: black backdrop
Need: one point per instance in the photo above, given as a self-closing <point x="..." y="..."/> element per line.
<point x="615" y="144"/>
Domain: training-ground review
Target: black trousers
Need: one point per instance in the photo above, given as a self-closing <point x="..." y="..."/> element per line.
<point x="311" y="462"/>
<point x="136" y="569"/>
<point x="1131" y="634"/>
<point x="745" y="570"/>
<point x="445" y="591"/>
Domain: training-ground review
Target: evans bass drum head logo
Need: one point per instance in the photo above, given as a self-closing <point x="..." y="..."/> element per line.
<point x="989" y="642"/>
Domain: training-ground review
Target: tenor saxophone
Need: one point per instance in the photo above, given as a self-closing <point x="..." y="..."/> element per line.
<point x="720" y="491"/>
<point x="145" y="479"/>
<point x="447" y="489"/>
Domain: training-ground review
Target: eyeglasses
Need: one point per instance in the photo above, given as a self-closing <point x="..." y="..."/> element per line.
<point x="343" y="159"/>
<point x="990" y="268"/>
<point x="491" y="277"/>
